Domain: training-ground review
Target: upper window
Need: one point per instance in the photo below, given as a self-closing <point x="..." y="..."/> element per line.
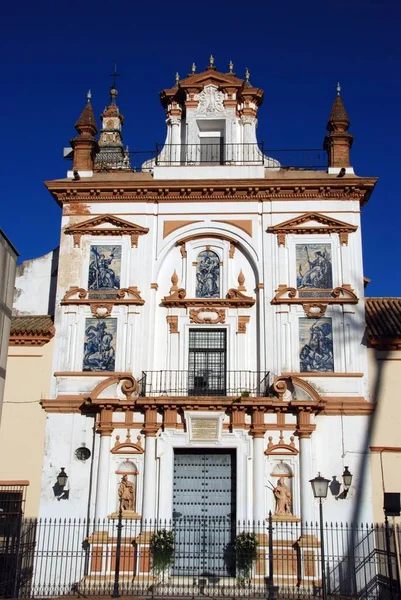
<point x="207" y="275"/>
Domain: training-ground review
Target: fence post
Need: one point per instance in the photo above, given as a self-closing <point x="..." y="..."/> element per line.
<point x="116" y="590"/>
<point x="388" y="553"/>
<point x="271" y="563"/>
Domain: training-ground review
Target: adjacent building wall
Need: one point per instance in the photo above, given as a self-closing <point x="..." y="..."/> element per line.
<point x="8" y="265"/>
<point x="384" y="379"/>
<point x="23" y="424"/>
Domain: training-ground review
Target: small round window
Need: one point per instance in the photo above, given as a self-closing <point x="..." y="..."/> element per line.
<point x="82" y="453"/>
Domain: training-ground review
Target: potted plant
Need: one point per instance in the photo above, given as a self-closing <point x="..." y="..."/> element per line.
<point x="162" y="550"/>
<point x="245" y="546"/>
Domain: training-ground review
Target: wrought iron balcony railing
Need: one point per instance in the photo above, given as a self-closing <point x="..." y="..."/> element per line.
<point x="204" y="382"/>
<point x="173" y="155"/>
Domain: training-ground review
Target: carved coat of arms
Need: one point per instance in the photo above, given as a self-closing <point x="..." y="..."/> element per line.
<point x="210" y="101"/>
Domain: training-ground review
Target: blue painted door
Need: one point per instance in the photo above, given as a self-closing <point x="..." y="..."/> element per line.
<point x="204" y="512"/>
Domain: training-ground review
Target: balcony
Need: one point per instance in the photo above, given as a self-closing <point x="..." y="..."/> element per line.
<point x="204" y="155"/>
<point x="212" y="382"/>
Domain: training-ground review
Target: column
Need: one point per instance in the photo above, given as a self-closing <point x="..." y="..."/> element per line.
<point x="258" y="479"/>
<point x="251" y="153"/>
<point x="305" y="464"/>
<point x="258" y="432"/>
<point x="345" y="265"/>
<point x="102" y="486"/>
<point x="149" y="480"/>
<point x="175" y="149"/>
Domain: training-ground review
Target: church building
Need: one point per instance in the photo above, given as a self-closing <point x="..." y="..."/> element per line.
<point x="209" y="353"/>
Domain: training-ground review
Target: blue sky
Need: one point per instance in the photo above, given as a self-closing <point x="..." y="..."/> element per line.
<point x="54" y="51"/>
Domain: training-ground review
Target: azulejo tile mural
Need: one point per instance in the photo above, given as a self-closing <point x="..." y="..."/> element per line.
<point x="100" y="344"/>
<point x="208" y="275"/>
<point x="314" y="269"/>
<point x="104" y="268"/>
<point x="316" y="345"/>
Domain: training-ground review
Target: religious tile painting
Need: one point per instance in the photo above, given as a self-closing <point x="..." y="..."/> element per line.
<point x="316" y="345"/>
<point x="208" y="275"/>
<point x="104" y="268"/>
<point x="100" y="345"/>
<point x="314" y="268"/>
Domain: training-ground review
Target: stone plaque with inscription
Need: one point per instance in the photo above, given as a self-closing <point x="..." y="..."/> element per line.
<point x="205" y="430"/>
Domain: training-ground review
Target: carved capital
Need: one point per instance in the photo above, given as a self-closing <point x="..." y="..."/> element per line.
<point x="243" y="321"/>
<point x="172" y="321"/>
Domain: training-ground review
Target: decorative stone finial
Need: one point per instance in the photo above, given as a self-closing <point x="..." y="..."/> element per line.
<point x="211" y="61"/>
<point x="174" y="281"/>
<point x="89" y="96"/>
<point x="193" y="68"/>
<point x="230" y="66"/>
<point x="338" y="88"/>
<point x="177" y="79"/>
<point x="113" y="95"/>
<point x="247" y="75"/>
<point x="241" y="281"/>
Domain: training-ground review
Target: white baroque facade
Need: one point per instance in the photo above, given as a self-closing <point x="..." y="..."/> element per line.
<point x="208" y="308"/>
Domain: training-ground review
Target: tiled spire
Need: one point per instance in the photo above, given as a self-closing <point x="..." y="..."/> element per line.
<point x="338" y="141"/>
<point x="84" y="144"/>
<point x="111" y="154"/>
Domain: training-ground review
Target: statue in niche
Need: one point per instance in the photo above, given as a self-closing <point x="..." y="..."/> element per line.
<point x="283" y="498"/>
<point x="127" y="494"/>
<point x="208" y="275"/>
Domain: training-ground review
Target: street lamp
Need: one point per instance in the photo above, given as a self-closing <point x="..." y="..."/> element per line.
<point x="62" y="478"/>
<point x="347" y="480"/>
<point x="320" y="486"/>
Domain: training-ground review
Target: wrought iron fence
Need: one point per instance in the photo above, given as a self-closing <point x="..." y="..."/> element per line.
<point x="204" y="382"/>
<point x="213" y="154"/>
<point x="199" y="556"/>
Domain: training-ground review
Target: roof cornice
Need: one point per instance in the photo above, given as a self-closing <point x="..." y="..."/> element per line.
<point x="314" y="188"/>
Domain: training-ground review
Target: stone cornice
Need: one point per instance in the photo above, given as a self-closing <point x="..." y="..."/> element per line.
<point x="72" y="192"/>
<point x="332" y="406"/>
<point x="233" y="299"/>
<point x="33" y="339"/>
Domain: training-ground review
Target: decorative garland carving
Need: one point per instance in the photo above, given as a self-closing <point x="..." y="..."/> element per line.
<point x="119" y="227"/>
<point x="234" y="298"/>
<point x="299" y="225"/>
<point x="290" y="295"/>
<point x="102" y="303"/>
<point x="315" y="310"/>
<point x="195" y="315"/>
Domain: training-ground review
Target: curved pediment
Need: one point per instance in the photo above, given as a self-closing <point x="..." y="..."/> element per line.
<point x="295" y="389"/>
<point x="128" y="446"/>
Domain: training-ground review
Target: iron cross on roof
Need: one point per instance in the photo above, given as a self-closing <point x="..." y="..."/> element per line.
<point x="114" y="75"/>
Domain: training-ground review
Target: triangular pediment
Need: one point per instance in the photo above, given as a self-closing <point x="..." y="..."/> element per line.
<point x="106" y="225"/>
<point x="312" y="223"/>
<point x="211" y="77"/>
